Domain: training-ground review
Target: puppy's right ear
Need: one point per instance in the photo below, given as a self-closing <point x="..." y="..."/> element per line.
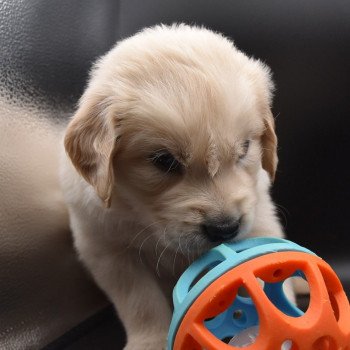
<point x="90" y="142"/>
<point x="269" y="144"/>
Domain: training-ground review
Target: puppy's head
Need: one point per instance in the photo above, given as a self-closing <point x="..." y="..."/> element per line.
<point x="176" y="122"/>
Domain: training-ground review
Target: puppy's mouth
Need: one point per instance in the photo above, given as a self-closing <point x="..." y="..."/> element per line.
<point x="211" y="234"/>
<point x="220" y="234"/>
<point x="223" y="229"/>
<point x="194" y="240"/>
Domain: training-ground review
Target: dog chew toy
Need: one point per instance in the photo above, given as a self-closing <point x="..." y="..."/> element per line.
<point x="212" y="313"/>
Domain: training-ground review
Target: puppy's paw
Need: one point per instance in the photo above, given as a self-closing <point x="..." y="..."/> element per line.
<point x="147" y="342"/>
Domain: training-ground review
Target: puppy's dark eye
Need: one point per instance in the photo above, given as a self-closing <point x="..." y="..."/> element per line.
<point x="166" y="162"/>
<point x="244" y="149"/>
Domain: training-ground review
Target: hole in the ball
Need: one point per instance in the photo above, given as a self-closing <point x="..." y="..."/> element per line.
<point x="261" y="282"/>
<point x="290" y="293"/>
<point x="202" y="273"/>
<point x="337" y="297"/>
<point x="334" y="304"/>
<point x="277" y="273"/>
<point x="289" y="345"/>
<point x="325" y="343"/>
<point x="297" y="291"/>
<point x="238" y="314"/>
<point x="242" y="292"/>
<point x="239" y="317"/>
<point x="209" y="319"/>
<point x="226" y="340"/>
<point x="222" y="303"/>
<point x="238" y="323"/>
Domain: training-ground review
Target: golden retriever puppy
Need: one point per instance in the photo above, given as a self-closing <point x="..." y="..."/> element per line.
<point x="171" y="151"/>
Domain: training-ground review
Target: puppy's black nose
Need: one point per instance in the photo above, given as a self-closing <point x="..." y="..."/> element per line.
<point x="221" y="230"/>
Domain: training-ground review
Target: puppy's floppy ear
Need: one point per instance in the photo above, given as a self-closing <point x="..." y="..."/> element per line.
<point x="269" y="145"/>
<point x="90" y="142"/>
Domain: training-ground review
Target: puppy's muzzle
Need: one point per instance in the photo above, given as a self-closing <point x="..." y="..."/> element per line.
<point x="221" y="229"/>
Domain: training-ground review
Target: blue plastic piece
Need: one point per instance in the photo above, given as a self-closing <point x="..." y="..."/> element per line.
<point x="224" y="325"/>
<point x="214" y="264"/>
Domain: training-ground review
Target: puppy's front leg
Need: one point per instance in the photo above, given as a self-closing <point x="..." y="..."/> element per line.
<point x="133" y="288"/>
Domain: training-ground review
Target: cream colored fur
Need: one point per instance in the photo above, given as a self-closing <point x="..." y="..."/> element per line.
<point x="191" y="92"/>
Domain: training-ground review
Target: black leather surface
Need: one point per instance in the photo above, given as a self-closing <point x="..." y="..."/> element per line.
<point x="46" y="49"/>
<point x="101" y="331"/>
<point x="47" y="46"/>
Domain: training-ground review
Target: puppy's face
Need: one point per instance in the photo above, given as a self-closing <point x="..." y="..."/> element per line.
<point x="176" y="123"/>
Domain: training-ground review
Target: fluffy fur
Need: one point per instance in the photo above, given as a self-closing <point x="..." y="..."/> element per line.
<point x="189" y="92"/>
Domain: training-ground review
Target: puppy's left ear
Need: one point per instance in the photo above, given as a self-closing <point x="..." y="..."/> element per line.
<point x="90" y="142"/>
<point x="269" y="145"/>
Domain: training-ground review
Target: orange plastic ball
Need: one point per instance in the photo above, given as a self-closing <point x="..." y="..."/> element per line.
<point x="324" y="326"/>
